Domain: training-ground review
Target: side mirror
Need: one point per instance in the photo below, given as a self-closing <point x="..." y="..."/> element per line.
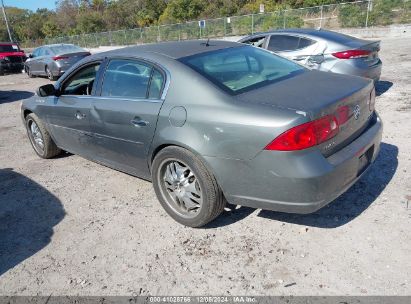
<point x="316" y="59"/>
<point x="30" y="55"/>
<point x="46" y="90"/>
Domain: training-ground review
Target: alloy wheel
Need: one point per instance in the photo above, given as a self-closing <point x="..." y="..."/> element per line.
<point x="181" y="188"/>
<point x="35" y="136"/>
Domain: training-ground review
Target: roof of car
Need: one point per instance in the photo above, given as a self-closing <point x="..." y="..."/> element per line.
<point x="320" y="33"/>
<point x="176" y="49"/>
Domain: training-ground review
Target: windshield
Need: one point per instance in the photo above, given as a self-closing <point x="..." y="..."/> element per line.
<point x="240" y="69"/>
<point x="66" y="49"/>
<point x="5" y="48"/>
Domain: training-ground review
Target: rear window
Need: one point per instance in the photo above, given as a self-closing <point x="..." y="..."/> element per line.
<point x="240" y="69"/>
<point x="65" y="49"/>
<point x="5" y="48"/>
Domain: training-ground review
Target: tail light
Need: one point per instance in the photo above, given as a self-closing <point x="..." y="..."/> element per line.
<point x="351" y="54"/>
<point x="56" y="58"/>
<point x="311" y="133"/>
<point x="371" y="103"/>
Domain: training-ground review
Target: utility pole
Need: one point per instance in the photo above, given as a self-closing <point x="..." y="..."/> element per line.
<point x="5" y="19"/>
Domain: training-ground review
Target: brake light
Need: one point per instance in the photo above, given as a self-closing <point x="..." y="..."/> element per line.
<point x="56" y="58"/>
<point x="350" y="54"/>
<point x="371" y="103"/>
<point x="306" y="135"/>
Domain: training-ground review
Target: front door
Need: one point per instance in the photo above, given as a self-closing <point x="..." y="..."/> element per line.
<point x="69" y="117"/>
<point x="124" y="117"/>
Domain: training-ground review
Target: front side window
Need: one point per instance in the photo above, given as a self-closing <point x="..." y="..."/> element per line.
<point x="131" y="79"/>
<point x="35" y="53"/>
<point x="258" y="41"/>
<point x="240" y="69"/>
<point x="81" y="83"/>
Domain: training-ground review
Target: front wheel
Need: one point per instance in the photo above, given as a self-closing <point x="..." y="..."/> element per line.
<point x="185" y="188"/>
<point x="29" y="73"/>
<point x="50" y="75"/>
<point x="40" y="138"/>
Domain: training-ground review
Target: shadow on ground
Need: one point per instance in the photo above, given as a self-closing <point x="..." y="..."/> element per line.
<point x="353" y="202"/>
<point x="344" y="209"/>
<point x="11" y="96"/>
<point x="28" y="213"/>
<point x="382" y="86"/>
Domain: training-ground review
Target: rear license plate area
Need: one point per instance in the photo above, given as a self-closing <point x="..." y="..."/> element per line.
<point x="364" y="160"/>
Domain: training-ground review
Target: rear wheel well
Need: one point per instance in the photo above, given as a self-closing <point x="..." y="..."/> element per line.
<point x="158" y="149"/>
<point x="26" y="112"/>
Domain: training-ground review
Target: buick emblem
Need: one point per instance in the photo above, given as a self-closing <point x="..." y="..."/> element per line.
<point x="357" y="111"/>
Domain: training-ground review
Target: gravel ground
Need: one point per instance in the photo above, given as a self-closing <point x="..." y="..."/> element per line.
<point x="72" y="227"/>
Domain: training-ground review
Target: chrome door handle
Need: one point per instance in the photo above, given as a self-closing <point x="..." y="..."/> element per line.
<point x="79" y="115"/>
<point x="138" y="122"/>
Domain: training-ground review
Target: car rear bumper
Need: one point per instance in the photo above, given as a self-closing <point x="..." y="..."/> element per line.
<point x="297" y="182"/>
<point x="12" y="66"/>
<point x="358" y="68"/>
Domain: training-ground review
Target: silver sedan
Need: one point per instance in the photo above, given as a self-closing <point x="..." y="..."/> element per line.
<point x="323" y="50"/>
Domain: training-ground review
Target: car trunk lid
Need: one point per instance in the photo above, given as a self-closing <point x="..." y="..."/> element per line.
<point x="70" y="58"/>
<point x="359" y="49"/>
<point x="317" y="94"/>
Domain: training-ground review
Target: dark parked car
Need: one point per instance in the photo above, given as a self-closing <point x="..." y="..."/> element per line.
<point x="212" y="121"/>
<point x="11" y="57"/>
<point x="53" y="60"/>
<point x="323" y="50"/>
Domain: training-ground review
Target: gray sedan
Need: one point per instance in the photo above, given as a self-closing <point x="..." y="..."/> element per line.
<point x="323" y="50"/>
<point x="211" y="122"/>
<point x="53" y="60"/>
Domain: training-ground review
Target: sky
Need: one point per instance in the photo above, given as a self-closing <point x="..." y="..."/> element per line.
<point x="31" y="4"/>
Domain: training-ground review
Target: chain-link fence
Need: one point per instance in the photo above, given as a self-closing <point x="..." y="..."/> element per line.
<point x="334" y="16"/>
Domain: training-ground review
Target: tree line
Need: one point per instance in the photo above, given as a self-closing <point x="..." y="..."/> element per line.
<point x="73" y="17"/>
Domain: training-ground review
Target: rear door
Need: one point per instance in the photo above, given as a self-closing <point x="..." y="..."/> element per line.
<point x="69" y="116"/>
<point x="124" y="117"/>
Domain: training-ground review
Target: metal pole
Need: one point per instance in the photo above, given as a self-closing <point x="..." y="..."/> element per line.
<point x="321" y="20"/>
<point x="252" y="23"/>
<point x="368" y="12"/>
<point x="284" y="19"/>
<point x="7" y="22"/>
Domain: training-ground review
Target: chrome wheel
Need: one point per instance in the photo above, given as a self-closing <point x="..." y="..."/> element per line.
<point x="181" y="188"/>
<point x="49" y="74"/>
<point x="35" y="136"/>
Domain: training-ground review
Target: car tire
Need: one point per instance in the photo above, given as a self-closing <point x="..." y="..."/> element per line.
<point x="29" y="73"/>
<point x="40" y="138"/>
<point x="205" y="198"/>
<point x="1" y="71"/>
<point x="50" y="75"/>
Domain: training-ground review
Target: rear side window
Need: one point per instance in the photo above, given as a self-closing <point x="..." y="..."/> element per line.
<point x="156" y="85"/>
<point x="4" y="48"/>
<point x="126" y="78"/>
<point x="280" y="43"/>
